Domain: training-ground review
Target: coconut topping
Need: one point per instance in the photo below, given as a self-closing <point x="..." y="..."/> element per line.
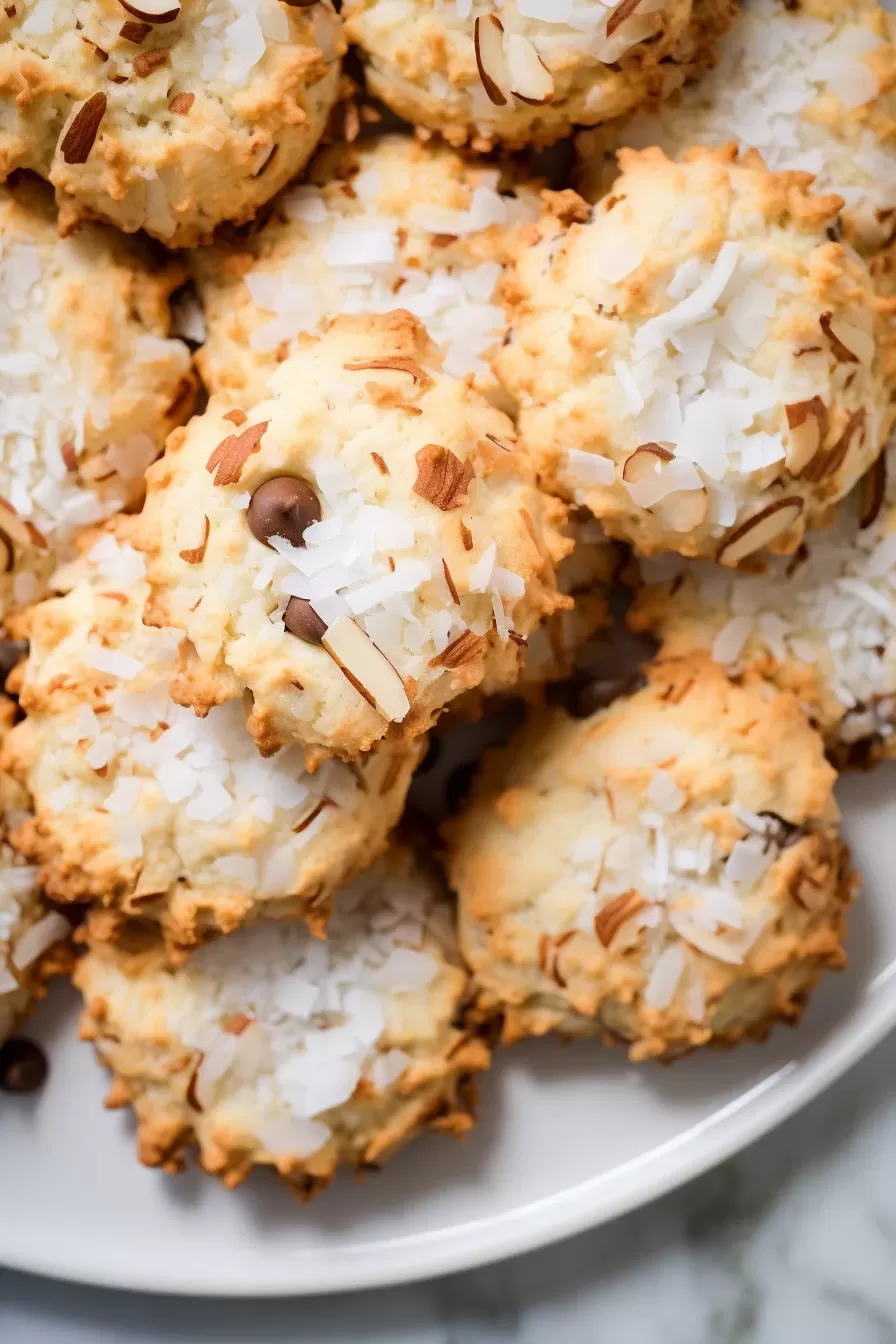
<point x="186" y="796"/>
<point x="786" y="83"/>
<point x="832" y="610"/>
<point x="692" y="893"/>
<point x="317" y="1013"/>
<point x="364" y="246"/>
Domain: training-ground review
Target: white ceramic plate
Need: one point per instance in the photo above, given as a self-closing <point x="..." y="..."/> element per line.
<point x="569" y="1137"/>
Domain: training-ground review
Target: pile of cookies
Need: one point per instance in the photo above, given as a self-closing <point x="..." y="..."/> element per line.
<point x="317" y="439"/>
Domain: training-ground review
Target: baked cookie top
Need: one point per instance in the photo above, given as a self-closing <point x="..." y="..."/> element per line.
<point x="667" y="871"/>
<point x="155" y="813"/>
<point x="810" y="85"/>
<point x="169" y="119"/>
<point x="387" y="223"/>
<point x="820" y="624"/>
<point x="277" y="1048"/>
<point x="698" y="359"/>
<point x="526" y="73"/>
<point x="90" y="380"/>
<point x="28" y="930"/>
<point x="354" y="551"/>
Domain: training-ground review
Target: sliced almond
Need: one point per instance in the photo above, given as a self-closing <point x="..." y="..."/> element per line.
<point x="461" y="650"/>
<point x="231" y="454"/>
<point x="180" y="104"/>
<point x="190" y="1096"/>
<point x="192" y="538"/>
<point x="872" y="492"/>
<point x="369" y="671"/>
<point x="7" y="552"/>
<point x="153" y="11"/>
<point x="849" y="344"/>
<point x="148" y="61"/>
<point x="488" y="43"/>
<point x="530" y="79"/>
<point x="829" y="463"/>
<point x="609" y="920"/>
<point x="135" y="32"/>
<point x="81" y="135"/>
<point x="683" y="510"/>
<point x="442" y="478"/>
<point x="760" y="530"/>
<point x="643" y="461"/>
<point x="620" y="14"/>
<point x="808" y="425"/>
<point x="452" y="586"/>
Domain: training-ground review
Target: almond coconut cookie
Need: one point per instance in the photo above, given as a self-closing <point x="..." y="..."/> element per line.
<point x="820" y="625"/>
<point x="811" y="85"/>
<point x="273" y="1048"/>
<point x="356" y="550"/>
<point x="29" y="932"/>
<point x="490" y="71"/>
<point x="698" y="359"/>
<point x="380" y="224"/>
<point x="667" y="872"/>
<point x="90" y="381"/>
<point x="169" y="117"/>
<point x="153" y="812"/>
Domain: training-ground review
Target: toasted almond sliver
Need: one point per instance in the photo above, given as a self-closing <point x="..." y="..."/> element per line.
<point x="488" y="43"/>
<point x="609" y="920"/>
<point x="461" y="650"/>
<point x="81" y="135"/>
<point x="530" y="79"/>
<point x="232" y="453"/>
<point x="760" y="530"/>
<point x="442" y="478"/>
<point x="369" y="671"/>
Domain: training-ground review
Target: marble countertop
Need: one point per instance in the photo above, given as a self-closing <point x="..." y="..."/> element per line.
<point x="794" y="1240"/>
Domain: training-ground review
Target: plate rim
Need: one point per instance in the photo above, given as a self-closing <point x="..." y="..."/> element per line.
<point x="543" y="1222"/>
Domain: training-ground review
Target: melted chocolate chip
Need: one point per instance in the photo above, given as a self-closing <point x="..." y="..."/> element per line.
<point x="302" y="620"/>
<point x="283" y="507"/>
<point x="23" y="1066"/>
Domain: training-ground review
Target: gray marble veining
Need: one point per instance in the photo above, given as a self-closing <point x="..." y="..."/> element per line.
<point x="794" y="1240"/>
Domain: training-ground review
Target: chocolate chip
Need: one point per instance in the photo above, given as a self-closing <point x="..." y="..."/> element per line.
<point x="302" y="620"/>
<point x="23" y="1066"/>
<point x="283" y="507"/>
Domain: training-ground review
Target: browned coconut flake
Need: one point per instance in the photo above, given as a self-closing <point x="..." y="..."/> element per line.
<point x="873" y="492"/>
<point x="232" y="453"/>
<point x="442" y="478"/>
<point x="81" y="135"/>
<point x="400" y="363"/>
<point x="452" y="587"/>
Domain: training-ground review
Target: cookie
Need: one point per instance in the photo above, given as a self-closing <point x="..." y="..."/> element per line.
<point x="820" y="624"/>
<point x="154" y="813"/>
<point x="667" y="872"/>
<point x="165" y="121"/>
<point x="699" y="361"/>
<point x="810" y="85"/>
<point x="273" y="1048"/>
<point x="90" y="380"/>
<point x="379" y="224"/>
<point x="30" y="933"/>
<point x="524" y="73"/>
<point x="354" y="551"/>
